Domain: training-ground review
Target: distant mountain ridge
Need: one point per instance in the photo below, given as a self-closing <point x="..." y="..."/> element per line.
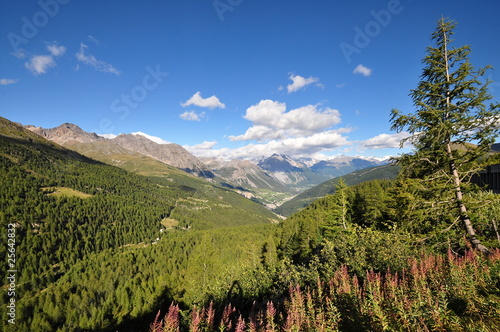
<point x="66" y="134"/>
<point x="301" y="173"/>
<point x="69" y="135"/>
<point x="277" y="172"/>
<point x="247" y="174"/>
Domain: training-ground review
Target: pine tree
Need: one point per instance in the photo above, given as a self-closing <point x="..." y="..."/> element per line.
<point x="451" y="127"/>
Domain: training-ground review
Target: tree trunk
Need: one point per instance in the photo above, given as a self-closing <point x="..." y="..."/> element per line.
<point x="464" y="217"/>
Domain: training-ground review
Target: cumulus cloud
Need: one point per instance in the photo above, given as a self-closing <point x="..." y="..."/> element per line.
<point x="93" y="62"/>
<point x="192" y="116"/>
<point x="7" y="81"/>
<point x="39" y="64"/>
<point x="384" y="141"/>
<point x="299" y="82"/>
<point x="365" y="71"/>
<point x="210" y="102"/>
<point x="303" y="131"/>
<point x="56" y="50"/>
<point x="271" y="121"/>
<point x="206" y="145"/>
<point x="259" y="133"/>
<point x="294" y="146"/>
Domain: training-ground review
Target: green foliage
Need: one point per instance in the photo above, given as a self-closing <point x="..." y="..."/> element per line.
<point x="435" y="293"/>
<point x="451" y="130"/>
<point x="387" y="172"/>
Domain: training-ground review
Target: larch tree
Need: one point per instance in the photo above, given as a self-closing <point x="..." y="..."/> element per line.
<point x="451" y="128"/>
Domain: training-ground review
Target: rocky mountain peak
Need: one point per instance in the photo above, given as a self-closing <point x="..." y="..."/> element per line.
<point x="280" y="163"/>
<point x="66" y="134"/>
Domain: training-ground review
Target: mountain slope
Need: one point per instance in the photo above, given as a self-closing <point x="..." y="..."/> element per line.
<point x="112" y="154"/>
<point x="170" y="154"/>
<point x="75" y="216"/>
<point x="246" y="174"/>
<point x="328" y="187"/>
<point x="293" y="174"/>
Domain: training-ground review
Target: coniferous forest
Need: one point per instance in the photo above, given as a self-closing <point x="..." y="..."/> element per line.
<point x="98" y="248"/>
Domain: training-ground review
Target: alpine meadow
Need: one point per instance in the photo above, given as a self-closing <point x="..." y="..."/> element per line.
<point x="130" y="232"/>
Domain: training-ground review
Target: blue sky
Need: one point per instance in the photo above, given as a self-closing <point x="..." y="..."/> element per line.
<point x="231" y="78"/>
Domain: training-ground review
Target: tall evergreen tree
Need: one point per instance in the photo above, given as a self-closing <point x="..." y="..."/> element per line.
<point x="451" y="127"/>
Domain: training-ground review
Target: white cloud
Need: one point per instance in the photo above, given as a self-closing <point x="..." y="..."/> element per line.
<point x="56" y="50"/>
<point x="300" y="132"/>
<point x="271" y="121"/>
<point x="192" y="116"/>
<point x="93" y="62"/>
<point x="295" y="147"/>
<point x="39" y="64"/>
<point x="300" y="82"/>
<point x="151" y="138"/>
<point x="7" y="81"/>
<point x="259" y="133"/>
<point x="210" y="102"/>
<point x="384" y="141"/>
<point x="206" y="145"/>
<point x="365" y="71"/>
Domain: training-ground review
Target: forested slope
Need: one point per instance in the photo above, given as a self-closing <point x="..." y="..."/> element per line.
<point x="328" y="187"/>
<point x="71" y="213"/>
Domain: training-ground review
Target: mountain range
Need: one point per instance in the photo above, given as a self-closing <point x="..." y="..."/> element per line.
<point x="278" y="173"/>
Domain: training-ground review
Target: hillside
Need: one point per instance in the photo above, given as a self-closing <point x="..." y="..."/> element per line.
<point x="170" y="154"/>
<point x="328" y="187"/>
<point x="113" y="154"/>
<point x="69" y="209"/>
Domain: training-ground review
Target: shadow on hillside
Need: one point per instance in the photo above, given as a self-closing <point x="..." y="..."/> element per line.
<point x="53" y="149"/>
<point x="246" y="306"/>
<point x="142" y="323"/>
